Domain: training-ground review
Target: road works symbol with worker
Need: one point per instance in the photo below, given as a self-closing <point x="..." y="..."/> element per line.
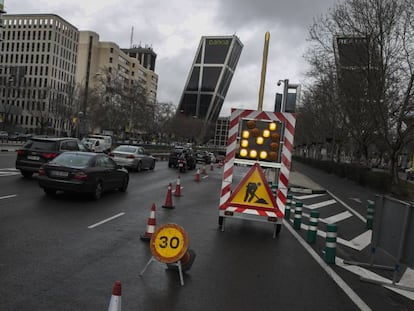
<point x="253" y="191"/>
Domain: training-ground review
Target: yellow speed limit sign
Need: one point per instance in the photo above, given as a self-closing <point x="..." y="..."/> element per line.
<point x="169" y="243"/>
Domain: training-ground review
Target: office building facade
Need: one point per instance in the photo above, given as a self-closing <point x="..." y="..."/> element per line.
<point x="38" y="58"/>
<point x="98" y="58"/>
<point x="210" y="77"/>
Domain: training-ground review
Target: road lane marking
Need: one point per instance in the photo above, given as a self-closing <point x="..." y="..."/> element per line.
<point x="106" y="220"/>
<point x="320" y="204"/>
<point x="334" y="276"/>
<point x="309" y="196"/>
<point x="347" y="206"/>
<point x="8" y="196"/>
<point x="337" y="218"/>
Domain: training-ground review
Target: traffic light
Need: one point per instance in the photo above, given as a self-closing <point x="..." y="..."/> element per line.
<point x="259" y="140"/>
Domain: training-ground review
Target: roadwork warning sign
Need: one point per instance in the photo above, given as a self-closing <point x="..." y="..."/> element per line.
<point x="253" y="191"/>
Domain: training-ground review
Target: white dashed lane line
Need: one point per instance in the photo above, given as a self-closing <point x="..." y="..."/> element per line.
<point x="106" y="220"/>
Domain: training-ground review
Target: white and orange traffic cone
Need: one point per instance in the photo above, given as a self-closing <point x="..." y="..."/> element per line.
<point x="115" y="303"/>
<point x="168" y="200"/>
<point x="147" y="235"/>
<point x="197" y="175"/>
<point x="177" y="192"/>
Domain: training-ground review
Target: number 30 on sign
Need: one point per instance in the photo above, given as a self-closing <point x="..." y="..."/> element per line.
<point x="169" y="243"/>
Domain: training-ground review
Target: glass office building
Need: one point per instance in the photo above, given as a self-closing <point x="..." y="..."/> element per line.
<point x="209" y="78"/>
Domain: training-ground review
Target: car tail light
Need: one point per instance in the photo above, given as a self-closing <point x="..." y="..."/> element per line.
<point x="41" y="171"/>
<point x="49" y="155"/>
<point x="20" y="152"/>
<point x="130" y="156"/>
<point x="80" y="176"/>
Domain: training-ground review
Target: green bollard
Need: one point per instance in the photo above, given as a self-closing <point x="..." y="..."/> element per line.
<point x="370" y="215"/>
<point x="297" y="220"/>
<point x="330" y="248"/>
<point x="288" y="206"/>
<point x="313" y="227"/>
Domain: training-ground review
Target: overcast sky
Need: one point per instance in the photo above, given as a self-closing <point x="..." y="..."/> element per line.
<point x="174" y="27"/>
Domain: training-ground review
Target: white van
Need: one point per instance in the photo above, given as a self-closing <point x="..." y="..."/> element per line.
<point x="94" y="144"/>
<point x="107" y="140"/>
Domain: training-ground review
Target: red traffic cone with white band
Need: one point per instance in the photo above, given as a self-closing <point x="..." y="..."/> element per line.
<point x="168" y="200"/>
<point x="177" y="192"/>
<point x="115" y="303"/>
<point x="197" y="175"/>
<point x="147" y="235"/>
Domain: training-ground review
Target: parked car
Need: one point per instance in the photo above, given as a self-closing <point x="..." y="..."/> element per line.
<point x="189" y="156"/>
<point x="82" y="172"/>
<point x="39" y="150"/>
<point x="4" y="135"/>
<point x="133" y="157"/>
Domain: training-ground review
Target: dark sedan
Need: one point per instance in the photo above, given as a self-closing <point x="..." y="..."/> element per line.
<point x="83" y="172"/>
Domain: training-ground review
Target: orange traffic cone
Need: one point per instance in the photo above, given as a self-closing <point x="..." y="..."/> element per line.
<point x="197" y="175"/>
<point x="168" y="199"/>
<point x="115" y="303"/>
<point x="177" y="192"/>
<point x="204" y="170"/>
<point x="147" y="235"/>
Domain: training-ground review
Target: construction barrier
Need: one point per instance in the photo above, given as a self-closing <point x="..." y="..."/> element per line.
<point x="297" y="220"/>
<point x="330" y="248"/>
<point x="147" y="235"/>
<point x="168" y="199"/>
<point x="313" y="227"/>
<point x="370" y="215"/>
<point x="115" y="302"/>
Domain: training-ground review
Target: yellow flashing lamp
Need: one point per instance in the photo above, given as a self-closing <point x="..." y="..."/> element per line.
<point x="266" y="133"/>
<point x="253" y="154"/>
<point x="245" y="134"/>
<point x="272" y="126"/>
<point x="263" y="155"/>
<point x="259" y="140"/>
<point x="243" y="153"/>
<point x="244" y="143"/>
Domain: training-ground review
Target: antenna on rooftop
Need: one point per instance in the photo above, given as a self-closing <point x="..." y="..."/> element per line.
<point x="132" y="37"/>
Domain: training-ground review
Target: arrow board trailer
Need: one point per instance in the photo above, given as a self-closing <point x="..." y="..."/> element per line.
<point x="260" y="139"/>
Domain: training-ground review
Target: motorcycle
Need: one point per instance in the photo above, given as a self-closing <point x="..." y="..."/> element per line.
<point x="182" y="165"/>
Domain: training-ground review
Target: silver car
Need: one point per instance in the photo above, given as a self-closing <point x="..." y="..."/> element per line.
<point x="133" y="157"/>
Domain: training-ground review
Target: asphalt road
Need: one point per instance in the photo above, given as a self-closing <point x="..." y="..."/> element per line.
<point x="58" y="253"/>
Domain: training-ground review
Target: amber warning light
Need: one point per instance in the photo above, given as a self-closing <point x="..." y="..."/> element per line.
<point x="259" y="140"/>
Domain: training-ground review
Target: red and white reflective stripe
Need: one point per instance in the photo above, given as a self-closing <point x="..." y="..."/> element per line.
<point x="289" y="134"/>
<point x="289" y="120"/>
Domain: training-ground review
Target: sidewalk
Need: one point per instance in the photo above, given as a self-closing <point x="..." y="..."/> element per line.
<point x="299" y="182"/>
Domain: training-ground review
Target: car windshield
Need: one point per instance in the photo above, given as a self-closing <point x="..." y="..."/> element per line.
<point x="72" y="159"/>
<point x="129" y="149"/>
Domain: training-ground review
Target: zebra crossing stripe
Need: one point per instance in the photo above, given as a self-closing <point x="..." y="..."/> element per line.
<point x="320" y="204"/>
<point x="337" y="218"/>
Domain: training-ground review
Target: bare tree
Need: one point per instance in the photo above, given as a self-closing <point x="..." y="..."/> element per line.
<point x="383" y="86"/>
